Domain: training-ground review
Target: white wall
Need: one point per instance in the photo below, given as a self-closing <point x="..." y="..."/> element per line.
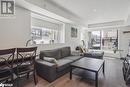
<point x="127" y="22"/>
<point x="73" y="42"/>
<point x="14" y="32"/>
<point x="85" y="36"/>
<point x="124" y="40"/>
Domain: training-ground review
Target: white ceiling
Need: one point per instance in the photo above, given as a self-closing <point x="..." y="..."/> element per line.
<point x="96" y="11"/>
<point x="40" y="11"/>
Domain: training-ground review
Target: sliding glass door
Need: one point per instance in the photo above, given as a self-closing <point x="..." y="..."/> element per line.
<point x="103" y="39"/>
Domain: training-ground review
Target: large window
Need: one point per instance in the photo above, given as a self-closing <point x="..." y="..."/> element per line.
<point x="47" y="32"/>
<point x="104" y="39"/>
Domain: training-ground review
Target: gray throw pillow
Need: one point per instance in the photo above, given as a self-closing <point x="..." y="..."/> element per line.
<point x="52" y="60"/>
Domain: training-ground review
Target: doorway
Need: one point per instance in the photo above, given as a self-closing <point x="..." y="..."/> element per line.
<point x="106" y="40"/>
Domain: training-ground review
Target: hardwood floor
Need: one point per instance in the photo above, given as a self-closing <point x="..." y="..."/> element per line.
<point x="113" y="78"/>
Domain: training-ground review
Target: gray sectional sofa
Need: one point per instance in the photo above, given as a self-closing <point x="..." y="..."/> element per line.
<point x="51" y="71"/>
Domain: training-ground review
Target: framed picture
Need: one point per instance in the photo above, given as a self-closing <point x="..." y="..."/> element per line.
<point x="74" y="32"/>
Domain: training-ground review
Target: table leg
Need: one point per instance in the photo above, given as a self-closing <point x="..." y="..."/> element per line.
<point x="70" y="73"/>
<point x="104" y="68"/>
<point x="96" y="78"/>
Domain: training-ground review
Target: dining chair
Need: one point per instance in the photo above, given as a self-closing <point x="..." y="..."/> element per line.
<point x="6" y="65"/>
<point x="25" y="63"/>
<point x="126" y="69"/>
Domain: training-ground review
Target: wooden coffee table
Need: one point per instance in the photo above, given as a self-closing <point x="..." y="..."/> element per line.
<point x="89" y="64"/>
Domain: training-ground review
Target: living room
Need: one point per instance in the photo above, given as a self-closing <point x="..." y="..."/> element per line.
<point x="67" y="36"/>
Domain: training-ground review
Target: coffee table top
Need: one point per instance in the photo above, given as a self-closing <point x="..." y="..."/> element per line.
<point x="90" y="64"/>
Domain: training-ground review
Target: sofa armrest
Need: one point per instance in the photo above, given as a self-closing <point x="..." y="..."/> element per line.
<point x="46" y="69"/>
<point x="45" y="63"/>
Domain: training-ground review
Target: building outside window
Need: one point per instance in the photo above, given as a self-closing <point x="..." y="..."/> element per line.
<point x="43" y="35"/>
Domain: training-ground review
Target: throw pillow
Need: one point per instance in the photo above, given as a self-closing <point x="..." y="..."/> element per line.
<point x="83" y="50"/>
<point x="52" y="60"/>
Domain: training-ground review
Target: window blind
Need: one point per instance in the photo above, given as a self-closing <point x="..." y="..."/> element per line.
<point x="43" y="23"/>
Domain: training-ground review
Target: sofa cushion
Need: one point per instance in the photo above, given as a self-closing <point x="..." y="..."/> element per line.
<point x="62" y="64"/>
<point x="65" y="51"/>
<point x="56" y="53"/>
<point x="74" y="58"/>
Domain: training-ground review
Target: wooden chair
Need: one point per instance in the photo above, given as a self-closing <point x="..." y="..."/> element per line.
<point x="25" y="63"/>
<point x="6" y="65"/>
<point x="126" y="69"/>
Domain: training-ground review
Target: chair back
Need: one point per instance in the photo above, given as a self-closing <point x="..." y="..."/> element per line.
<point x="26" y="55"/>
<point x="7" y="58"/>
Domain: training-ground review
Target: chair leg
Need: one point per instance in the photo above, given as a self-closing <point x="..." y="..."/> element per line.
<point x="28" y="75"/>
<point x="18" y="81"/>
<point x="34" y="76"/>
<point x="12" y="79"/>
<point x="7" y="81"/>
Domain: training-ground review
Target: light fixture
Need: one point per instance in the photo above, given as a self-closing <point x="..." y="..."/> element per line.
<point x="30" y="41"/>
<point x="94" y="10"/>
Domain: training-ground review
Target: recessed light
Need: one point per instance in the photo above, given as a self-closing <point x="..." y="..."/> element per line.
<point x="94" y="10"/>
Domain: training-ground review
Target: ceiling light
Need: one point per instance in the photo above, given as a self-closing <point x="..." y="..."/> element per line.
<point x="94" y="10"/>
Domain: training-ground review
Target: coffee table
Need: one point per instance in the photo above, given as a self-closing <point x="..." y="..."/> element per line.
<point x="89" y="64"/>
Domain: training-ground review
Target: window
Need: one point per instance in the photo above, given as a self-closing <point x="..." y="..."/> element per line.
<point x="43" y="35"/>
<point x="37" y="33"/>
<point x="46" y="30"/>
<point x="95" y="40"/>
<point x="110" y="39"/>
<point x="105" y="39"/>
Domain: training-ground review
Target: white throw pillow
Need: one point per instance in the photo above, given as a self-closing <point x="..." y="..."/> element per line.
<point x="52" y="60"/>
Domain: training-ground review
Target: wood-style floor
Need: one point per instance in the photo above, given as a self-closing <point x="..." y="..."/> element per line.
<point x="113" y="78"/>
